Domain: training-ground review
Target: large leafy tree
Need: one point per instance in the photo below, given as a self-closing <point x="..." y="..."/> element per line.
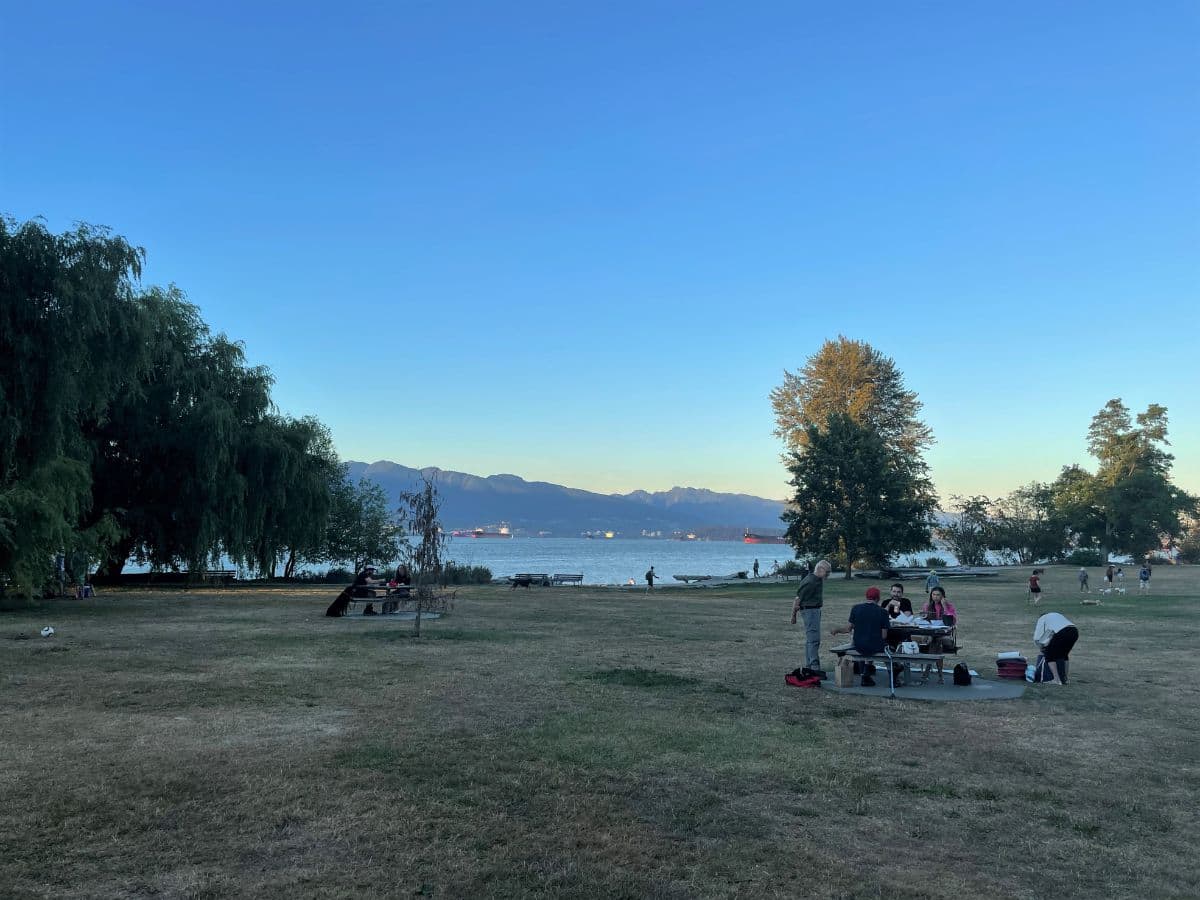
<point x="970" y="533"/>
<point x="1027" y="526"/>
<point x="361" y="528"/>
<point x="71" y="338"/>
<point x="852" y="500"/>
<point x="286" y="467"/>
<point x="851" y="378"/>
<point x="126" y="427"/>
<point x="170" y="454"/>
<point x="1129" y="504"/>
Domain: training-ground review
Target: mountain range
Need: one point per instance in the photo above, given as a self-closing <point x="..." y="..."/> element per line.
<point x="472" y="501"/>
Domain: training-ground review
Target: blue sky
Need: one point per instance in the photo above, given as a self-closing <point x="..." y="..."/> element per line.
<point x="580" y="242"/>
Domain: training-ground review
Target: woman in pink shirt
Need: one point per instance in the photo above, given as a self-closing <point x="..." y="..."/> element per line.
<point x="939" y="607"/>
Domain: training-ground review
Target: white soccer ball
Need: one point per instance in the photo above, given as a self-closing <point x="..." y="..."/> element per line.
<point x="47" y="631"/>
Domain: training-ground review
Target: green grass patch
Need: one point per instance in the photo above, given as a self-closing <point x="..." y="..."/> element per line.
<point x="238" y="743"/>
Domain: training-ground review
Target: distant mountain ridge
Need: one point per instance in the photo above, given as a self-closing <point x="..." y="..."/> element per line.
<point x="470" y="501"/>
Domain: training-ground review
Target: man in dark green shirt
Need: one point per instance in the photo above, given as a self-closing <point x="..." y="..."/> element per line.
<point x="809" y="599"/>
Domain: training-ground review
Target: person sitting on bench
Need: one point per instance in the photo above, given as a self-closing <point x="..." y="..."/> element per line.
<point x="896" y="603"/>
<point x="869" y="622"/>
<point x="364" y="581"/>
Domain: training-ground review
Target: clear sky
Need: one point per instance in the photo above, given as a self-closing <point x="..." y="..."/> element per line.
<point x="580" y="242"/>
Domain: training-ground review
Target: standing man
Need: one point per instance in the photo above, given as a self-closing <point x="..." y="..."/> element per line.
<point x="756" y="568"/>
<point x="1083" y="580"/>
<point x="650" y="576"/>
<point x="1144" y="578"/>
<point x="808" y="602"/>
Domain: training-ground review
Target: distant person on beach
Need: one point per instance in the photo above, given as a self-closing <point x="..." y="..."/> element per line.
<point x="1083" y="581"/>
<point x="650" y="576"/>
<point x="808" y="603"/>
<point x="775" y="567"/>
<point x="931" y="581"/>
<point x="756" y="568"/>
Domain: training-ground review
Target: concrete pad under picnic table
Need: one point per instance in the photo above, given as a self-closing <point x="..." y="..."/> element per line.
<point x="978" y="689"/>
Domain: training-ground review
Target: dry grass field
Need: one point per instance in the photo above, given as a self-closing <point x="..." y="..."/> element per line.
<point x="584" y="742"/>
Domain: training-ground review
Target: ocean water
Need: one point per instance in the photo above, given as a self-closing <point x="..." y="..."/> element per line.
<point x="614" y="561"/>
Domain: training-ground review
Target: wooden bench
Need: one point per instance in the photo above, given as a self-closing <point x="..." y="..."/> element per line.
<point x="925" y="660"/>
<point x="567" y="579"/>
<point x="526" y="579"/>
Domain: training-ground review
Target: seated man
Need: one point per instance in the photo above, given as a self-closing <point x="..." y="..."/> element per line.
<point x="896" y="603"/>
<point x="869" y="622"/>
<point x="364" y="581"/>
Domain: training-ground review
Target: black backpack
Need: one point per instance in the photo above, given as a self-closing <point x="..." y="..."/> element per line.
<point x="962" y="675"/>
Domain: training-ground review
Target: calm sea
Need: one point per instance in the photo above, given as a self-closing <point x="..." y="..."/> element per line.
<point x="614" y="561"/>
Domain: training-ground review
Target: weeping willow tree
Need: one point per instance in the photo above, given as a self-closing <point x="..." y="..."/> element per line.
<point x="72" y="336"/>
<point x="128" y="429"/>
<point x="421" y="508"/>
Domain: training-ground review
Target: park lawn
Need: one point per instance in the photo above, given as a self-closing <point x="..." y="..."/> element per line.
<point x="591" y="742"/>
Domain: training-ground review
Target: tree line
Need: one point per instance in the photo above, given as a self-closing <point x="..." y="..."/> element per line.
<point x="855" y="448"/>
<point x="129" y="430"/>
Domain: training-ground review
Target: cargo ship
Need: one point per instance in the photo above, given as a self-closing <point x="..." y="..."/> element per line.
<point x="502" y="532"/>
<point x="750" y="538"/>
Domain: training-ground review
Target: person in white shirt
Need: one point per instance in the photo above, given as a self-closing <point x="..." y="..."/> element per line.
<point x="1055" y="634"/>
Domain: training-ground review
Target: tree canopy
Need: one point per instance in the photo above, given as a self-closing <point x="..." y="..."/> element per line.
<point x="1129" y="505"/>
<point x="852" y="501"/>
<point x="126" y="427"/>
<point x="853" y="379"/>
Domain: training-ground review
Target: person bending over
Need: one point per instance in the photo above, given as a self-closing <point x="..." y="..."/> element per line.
<point x="1055" y="635"/>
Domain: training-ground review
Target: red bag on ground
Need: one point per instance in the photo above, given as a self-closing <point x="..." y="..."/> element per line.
<point x="811" y="681"/>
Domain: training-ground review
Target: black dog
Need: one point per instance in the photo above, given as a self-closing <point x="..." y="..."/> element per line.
<point x="521" y="582"/>
<point x="339" y="606"/>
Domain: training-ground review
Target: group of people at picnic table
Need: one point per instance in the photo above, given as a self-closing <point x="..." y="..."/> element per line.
<point x="881" y="622"/>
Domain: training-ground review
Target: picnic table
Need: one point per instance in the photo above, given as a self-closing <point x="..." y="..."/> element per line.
<point x="926" y="659"/>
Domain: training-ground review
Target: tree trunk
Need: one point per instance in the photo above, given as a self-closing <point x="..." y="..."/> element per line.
<point x="289" y="569"/>
<point x="115" y="562"/>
